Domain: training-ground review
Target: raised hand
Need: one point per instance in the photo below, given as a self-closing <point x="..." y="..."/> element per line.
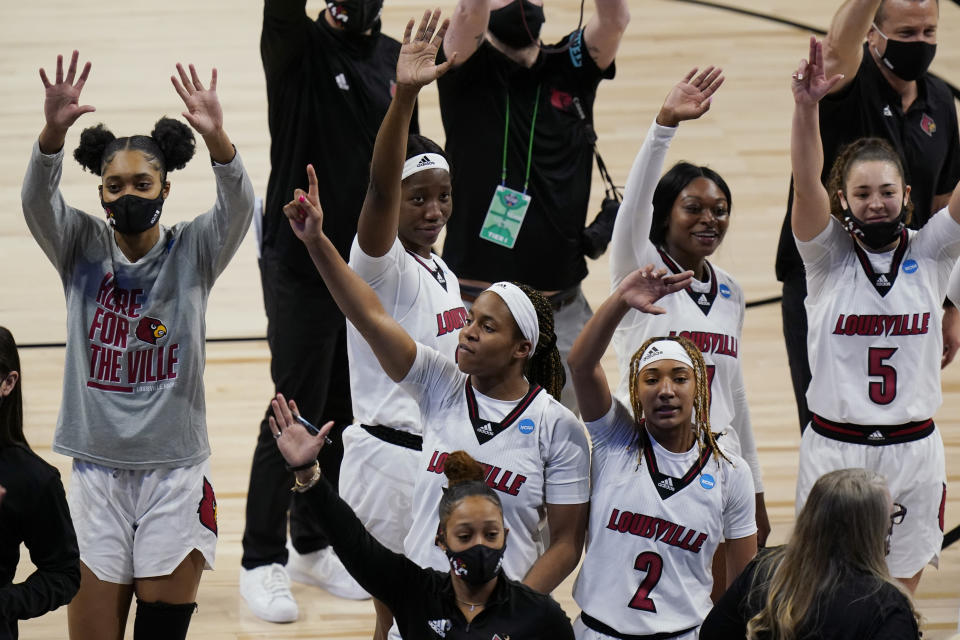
<point x="304" y="212"/>
<point x="61" y="106"/>
<point x="203" y="106"/>
<point x="417" y="64"/>
<point x="642" y="288"/>
<point x="810" y="83"/>
<point x="690" y="98"/>
<point x="297" y="445"/>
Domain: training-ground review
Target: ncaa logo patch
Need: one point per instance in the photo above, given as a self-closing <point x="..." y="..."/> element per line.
<point x="725" y="291"/>
<point x="707" y="481"/>
<point x="910" y="266"/>
<point x="526" y="425"/>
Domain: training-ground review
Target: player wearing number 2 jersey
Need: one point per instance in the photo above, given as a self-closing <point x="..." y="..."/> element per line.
<point x="663" y="494"/>
<point x="875" y="292"/>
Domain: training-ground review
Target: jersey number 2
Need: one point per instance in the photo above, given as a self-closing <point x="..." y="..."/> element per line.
<point x="884" y="390"/>
<point x="652" y="563"/>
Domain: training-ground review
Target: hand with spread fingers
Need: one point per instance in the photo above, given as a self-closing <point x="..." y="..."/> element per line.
<point x="417" y="65"/>
<point x="61" y="102"/>
<point x="810" y="83"/>
<point x="304" y="212"/>
<point x="642" y="288"/>
<point x="691" y="97"/>
<point x="297" y="445"/>
<point x="203" y="106"/>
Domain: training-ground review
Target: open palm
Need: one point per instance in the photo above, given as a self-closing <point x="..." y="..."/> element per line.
<point x="203" y="106"/>
<point x="417" y="65"/>
<point x="645" y="286"/>
<point x="61" y="102"/>
<point x="690" y="98"/>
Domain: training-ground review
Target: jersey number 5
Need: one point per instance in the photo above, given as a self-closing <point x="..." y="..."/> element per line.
<point x="884" y="390"/>
<point x="652" y="563"/>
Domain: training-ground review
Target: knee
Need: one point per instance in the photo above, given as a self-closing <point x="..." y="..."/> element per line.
<point x="162" y="621"/>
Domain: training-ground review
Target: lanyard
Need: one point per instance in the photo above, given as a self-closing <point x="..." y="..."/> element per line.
<point x="506" y="130"/>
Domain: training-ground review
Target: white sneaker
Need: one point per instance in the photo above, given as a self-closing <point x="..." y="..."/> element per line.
<point x="267" y="592"/>
<point x="323" y="569"/>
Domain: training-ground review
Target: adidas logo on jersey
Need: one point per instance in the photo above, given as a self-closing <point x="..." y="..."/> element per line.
<point x="876" y="435"/>
<point x="882" y="281"/>
<point x="666" y="483"/>
<point x="486" y="429"/>
<point x="702" y="301"/>
<point x="440" y="627"/>
<point x="425" y="162"/>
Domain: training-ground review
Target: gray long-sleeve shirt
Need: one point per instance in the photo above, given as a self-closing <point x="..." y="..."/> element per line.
<point x="133" y="395"/>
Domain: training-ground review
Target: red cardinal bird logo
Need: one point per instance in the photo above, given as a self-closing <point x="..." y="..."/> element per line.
<point x="150" y="330"/>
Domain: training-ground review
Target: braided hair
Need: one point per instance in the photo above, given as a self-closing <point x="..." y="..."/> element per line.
<point x="544" y="367"/>
<point x="701" y="399"/>
<point x="862" y="150"/>
<point x="465" y="478"/>
<point x="169" y="146"/>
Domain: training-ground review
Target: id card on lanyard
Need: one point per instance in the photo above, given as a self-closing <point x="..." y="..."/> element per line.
<point x="508" y="207"/>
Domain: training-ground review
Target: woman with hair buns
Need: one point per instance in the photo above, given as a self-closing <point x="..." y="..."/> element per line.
<point x="830" y="581"/>
<point x="133" y="412"/>
<point x="471" y="597"/>
<point x="497" y="403"/>
<point x="665" y="492"/>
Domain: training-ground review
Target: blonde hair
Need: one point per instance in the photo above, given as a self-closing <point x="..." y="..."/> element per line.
<point x="701" y="399"/>
<point x="840" y="531"/>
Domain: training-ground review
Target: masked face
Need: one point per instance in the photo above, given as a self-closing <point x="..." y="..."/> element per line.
<point x="474" y="540"/>
<point x="132" y="214"/>
<point x="356" y="16"/>
<point x="132" y="193"/>
<point x="517" y="24"/>
<point x="908" y="60"/>
<point x="874" y="203"/>
<point x="477" y="565"/>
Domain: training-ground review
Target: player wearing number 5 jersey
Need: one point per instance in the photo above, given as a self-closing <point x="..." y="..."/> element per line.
<point x="664" y="493"/>
<point x="875" y="292"/>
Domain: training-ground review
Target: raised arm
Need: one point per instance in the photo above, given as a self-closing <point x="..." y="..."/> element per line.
<point x="416" y="67"/>
<point x="204" y="112"/>
<point x="811" y="205"/>
<point x="61" y="103"/>
<point x="468" y="26"/>
<point x="284" y="34"/>
<point x="640" y="290"/>
<point x="605" y="30"/>
<point x="843" y="44"/>
<point x="630" y="244"/>
<point x="394" y="348"/>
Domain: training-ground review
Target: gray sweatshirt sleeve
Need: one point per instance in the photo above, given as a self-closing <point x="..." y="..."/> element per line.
<point x="217" y="234"/>
<point x="55" y="225"/>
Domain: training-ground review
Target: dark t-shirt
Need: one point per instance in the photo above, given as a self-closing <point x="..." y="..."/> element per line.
<point x="547" y="254"/>
<point x="327" y="93"/>
<point x="859" y="609"/>
<point x="926" y="137"/>
<point x="34" y="512"/>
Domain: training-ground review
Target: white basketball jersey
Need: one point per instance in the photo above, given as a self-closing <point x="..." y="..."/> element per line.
<point x="424" y="297"/>
<point x="655" y="523"/>
<point x="875" y="336"/>
<point x="535" y="449"/>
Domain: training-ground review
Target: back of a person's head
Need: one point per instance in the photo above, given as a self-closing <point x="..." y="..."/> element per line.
<point x="11" y="406"/>
<point x="840" y="532"/>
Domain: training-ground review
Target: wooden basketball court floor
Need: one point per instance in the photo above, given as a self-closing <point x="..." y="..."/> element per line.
<point x="134" y="45"/>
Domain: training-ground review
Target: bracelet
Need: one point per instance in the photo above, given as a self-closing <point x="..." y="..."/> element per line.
<point x="300" y="487"/>
<point x="302" y="467"/>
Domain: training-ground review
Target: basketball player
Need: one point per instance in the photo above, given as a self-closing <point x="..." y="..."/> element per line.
<point x="133" y="413"/>
<point x="875" y="294"/>
<point x="676" y="222"/>
<point x="495" y="404"/>
<point x="406" y="207"/>
<point x="663" y="494"/>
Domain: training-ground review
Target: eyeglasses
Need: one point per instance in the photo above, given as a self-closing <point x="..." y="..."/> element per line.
<point x="899" y="513"/>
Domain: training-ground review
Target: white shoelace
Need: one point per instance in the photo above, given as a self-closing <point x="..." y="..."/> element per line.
<point x="277" y="582"/>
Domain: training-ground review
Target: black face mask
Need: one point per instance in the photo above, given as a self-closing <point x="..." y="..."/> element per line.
<point x="477" y="565"/>
<point x="507" y="23"/>
<point x="875" y="235"/>
<point x="907" y="60"/>
<point x="356" y="16"/>
<point x="132" y="214"/>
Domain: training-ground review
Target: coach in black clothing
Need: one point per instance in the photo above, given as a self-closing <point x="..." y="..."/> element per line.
<point x="887" y="93"/>
<point x="549" y="122"/>
<point x="329" y="83"/>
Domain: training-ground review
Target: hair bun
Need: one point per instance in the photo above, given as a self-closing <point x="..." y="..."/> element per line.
<point x="460" y="467"/>
<point x="93" y="142"/>
<point x="176" y="141"/>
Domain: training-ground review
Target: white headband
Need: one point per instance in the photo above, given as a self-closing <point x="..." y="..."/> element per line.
<point x="521" y="308"/>
<point x="665" y="350"/>
<point x="422" y="162"/>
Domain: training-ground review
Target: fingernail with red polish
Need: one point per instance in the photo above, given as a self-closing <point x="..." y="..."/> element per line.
<point x="302" y="199"/>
